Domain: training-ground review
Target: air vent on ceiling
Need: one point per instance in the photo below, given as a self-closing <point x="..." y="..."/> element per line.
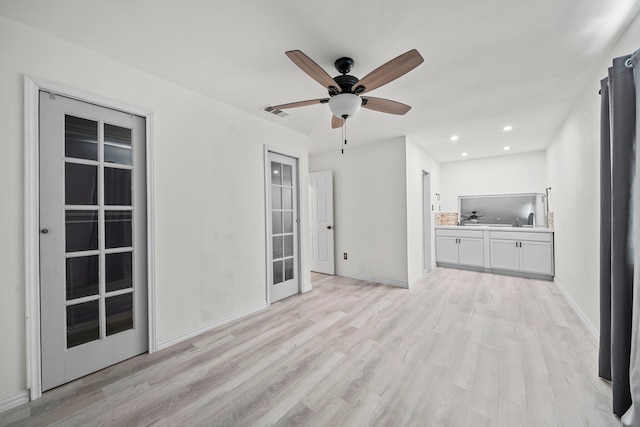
<point x="275" y="111"/>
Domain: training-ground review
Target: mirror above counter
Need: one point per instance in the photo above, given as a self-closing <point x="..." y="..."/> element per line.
<point x="506" y="210"/>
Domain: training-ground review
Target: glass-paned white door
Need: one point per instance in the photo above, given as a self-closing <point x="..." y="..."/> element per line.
<point x="283" y="232"/>
<point x="93" y="282"/>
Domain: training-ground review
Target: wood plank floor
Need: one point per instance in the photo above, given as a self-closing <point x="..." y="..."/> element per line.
<point x="460" y="348"/>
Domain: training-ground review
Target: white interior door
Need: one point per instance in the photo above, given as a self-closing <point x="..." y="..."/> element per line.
<point x="93" y="262"/>
<point x="283" y="227"/>
<point x="321" y="222"/>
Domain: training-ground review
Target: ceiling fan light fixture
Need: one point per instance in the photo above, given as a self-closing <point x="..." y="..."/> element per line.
<point x="345" y="105"/>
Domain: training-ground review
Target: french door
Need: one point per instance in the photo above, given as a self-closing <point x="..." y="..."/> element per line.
<point x="283" y="230"/>
<point x="93" y="284"/>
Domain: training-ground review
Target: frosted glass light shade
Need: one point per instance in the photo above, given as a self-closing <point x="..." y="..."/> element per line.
<point x="345" y="104"/>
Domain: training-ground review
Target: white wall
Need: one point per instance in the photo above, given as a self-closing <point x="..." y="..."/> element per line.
<point x="369" y="209"/>
<point x="516" y="173"/>
<point x="210" y="225"/>
<point x="417" y="161"/>
<point x="573" y="164"/>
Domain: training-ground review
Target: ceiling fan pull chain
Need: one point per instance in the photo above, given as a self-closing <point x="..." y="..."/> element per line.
<point x="342" y="139"/>
<point x="345" y="131"/>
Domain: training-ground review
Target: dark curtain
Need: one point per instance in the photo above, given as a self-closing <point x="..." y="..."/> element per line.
<point x="616" y="234"/>
<point x="604" y="360"/>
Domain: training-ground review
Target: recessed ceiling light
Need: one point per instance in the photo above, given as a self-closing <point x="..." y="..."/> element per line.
<point x="507" y="148"/>
<point x="507" y="128"/>
<point x="464" y="154"/>
<point x="454" y="137"/>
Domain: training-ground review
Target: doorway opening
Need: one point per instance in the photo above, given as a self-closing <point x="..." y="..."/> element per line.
<point x="427" y="212"/>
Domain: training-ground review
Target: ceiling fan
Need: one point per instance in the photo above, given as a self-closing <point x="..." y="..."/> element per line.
<point x="345" y="90"/>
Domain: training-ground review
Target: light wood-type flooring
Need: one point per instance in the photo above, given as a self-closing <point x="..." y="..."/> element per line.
<point x="459" y="348"/>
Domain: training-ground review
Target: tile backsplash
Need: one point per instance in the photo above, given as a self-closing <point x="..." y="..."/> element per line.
<point x="446" y="218"/>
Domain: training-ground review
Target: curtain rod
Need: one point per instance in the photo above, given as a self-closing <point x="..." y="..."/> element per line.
<point x="628" y="63"/>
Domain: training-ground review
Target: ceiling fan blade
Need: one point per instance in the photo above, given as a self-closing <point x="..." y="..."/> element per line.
<point x="390" y="71"/>
<point x="314" y="71"/>
<point x="336" y="122"/>
<point x="300" y="104"/>
<point x="385" y="105"/>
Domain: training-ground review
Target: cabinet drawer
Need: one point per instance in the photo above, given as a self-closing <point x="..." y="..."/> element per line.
<point x="459" y="233"/>
<point x="521" y="235"/>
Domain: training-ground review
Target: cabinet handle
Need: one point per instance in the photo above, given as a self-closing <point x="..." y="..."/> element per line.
<point x="516" y="244"/>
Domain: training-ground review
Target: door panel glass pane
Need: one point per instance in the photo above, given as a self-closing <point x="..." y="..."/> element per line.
<point x="276" y="173"/>
<point x="276" y="224"/>
<point x="117" y="228"/>
<point x="81" y="230"/>
<point x="117" y="187"/>
<point x="117" y="144"/>
<point x="276" y="198"/>
<point x="80" y="184"/>
<point x="82" y="277"/>
<point x="80" y="138"/>
<point x="277" y="272"/>
<point x="288" y="222"/>
<point x="288" y="269"/>
<point x="119" y="313"/>
<point x="82" y="323"/>
<point x="277" y="247"/>
<point x="288" y="245"/>
<point x="119" y="271"/>
<point x="287" y="201"/>
<point x="286" y="175"/>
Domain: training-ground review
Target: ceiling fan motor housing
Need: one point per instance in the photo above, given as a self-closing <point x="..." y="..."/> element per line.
<point x="346" y="83"/>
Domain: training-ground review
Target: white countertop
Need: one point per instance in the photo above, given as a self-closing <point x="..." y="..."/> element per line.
<point x="496" y="228"/>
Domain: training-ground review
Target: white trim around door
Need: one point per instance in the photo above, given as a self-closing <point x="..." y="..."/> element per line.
<point x="32" y="87"/>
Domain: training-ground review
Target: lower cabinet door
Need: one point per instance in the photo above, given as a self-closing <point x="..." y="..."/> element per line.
<point x="504" y="254"/>
<point x="536" y="257"/>
<point x="446" y="250"/>
<point x="470" y="252"/>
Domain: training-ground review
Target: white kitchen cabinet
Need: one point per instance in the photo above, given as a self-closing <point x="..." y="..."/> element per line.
<point x="447" y="249"/>
<point x="504" y="254"/>
<point x="463" y="247"/>
<point x="470" y="251"/>
<point x="517" y="251"/>
<point x="522" y="252"/>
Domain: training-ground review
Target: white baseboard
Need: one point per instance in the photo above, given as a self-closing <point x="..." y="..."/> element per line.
<point x="13" y="401"/>
<point x="418" y="278"/>
<point x="390" y="282"/>
<point x="576" y="308"/>
<point x="208" y="326"/>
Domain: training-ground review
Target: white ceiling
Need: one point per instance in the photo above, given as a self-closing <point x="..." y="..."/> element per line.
<point x="488" y="63"/>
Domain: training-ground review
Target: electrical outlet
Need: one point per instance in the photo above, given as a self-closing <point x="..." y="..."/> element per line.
<point x="344" y="255"/>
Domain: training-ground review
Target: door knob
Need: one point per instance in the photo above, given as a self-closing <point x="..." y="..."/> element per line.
<point x="329" y="227"/>
<point x="44" y="230"/>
